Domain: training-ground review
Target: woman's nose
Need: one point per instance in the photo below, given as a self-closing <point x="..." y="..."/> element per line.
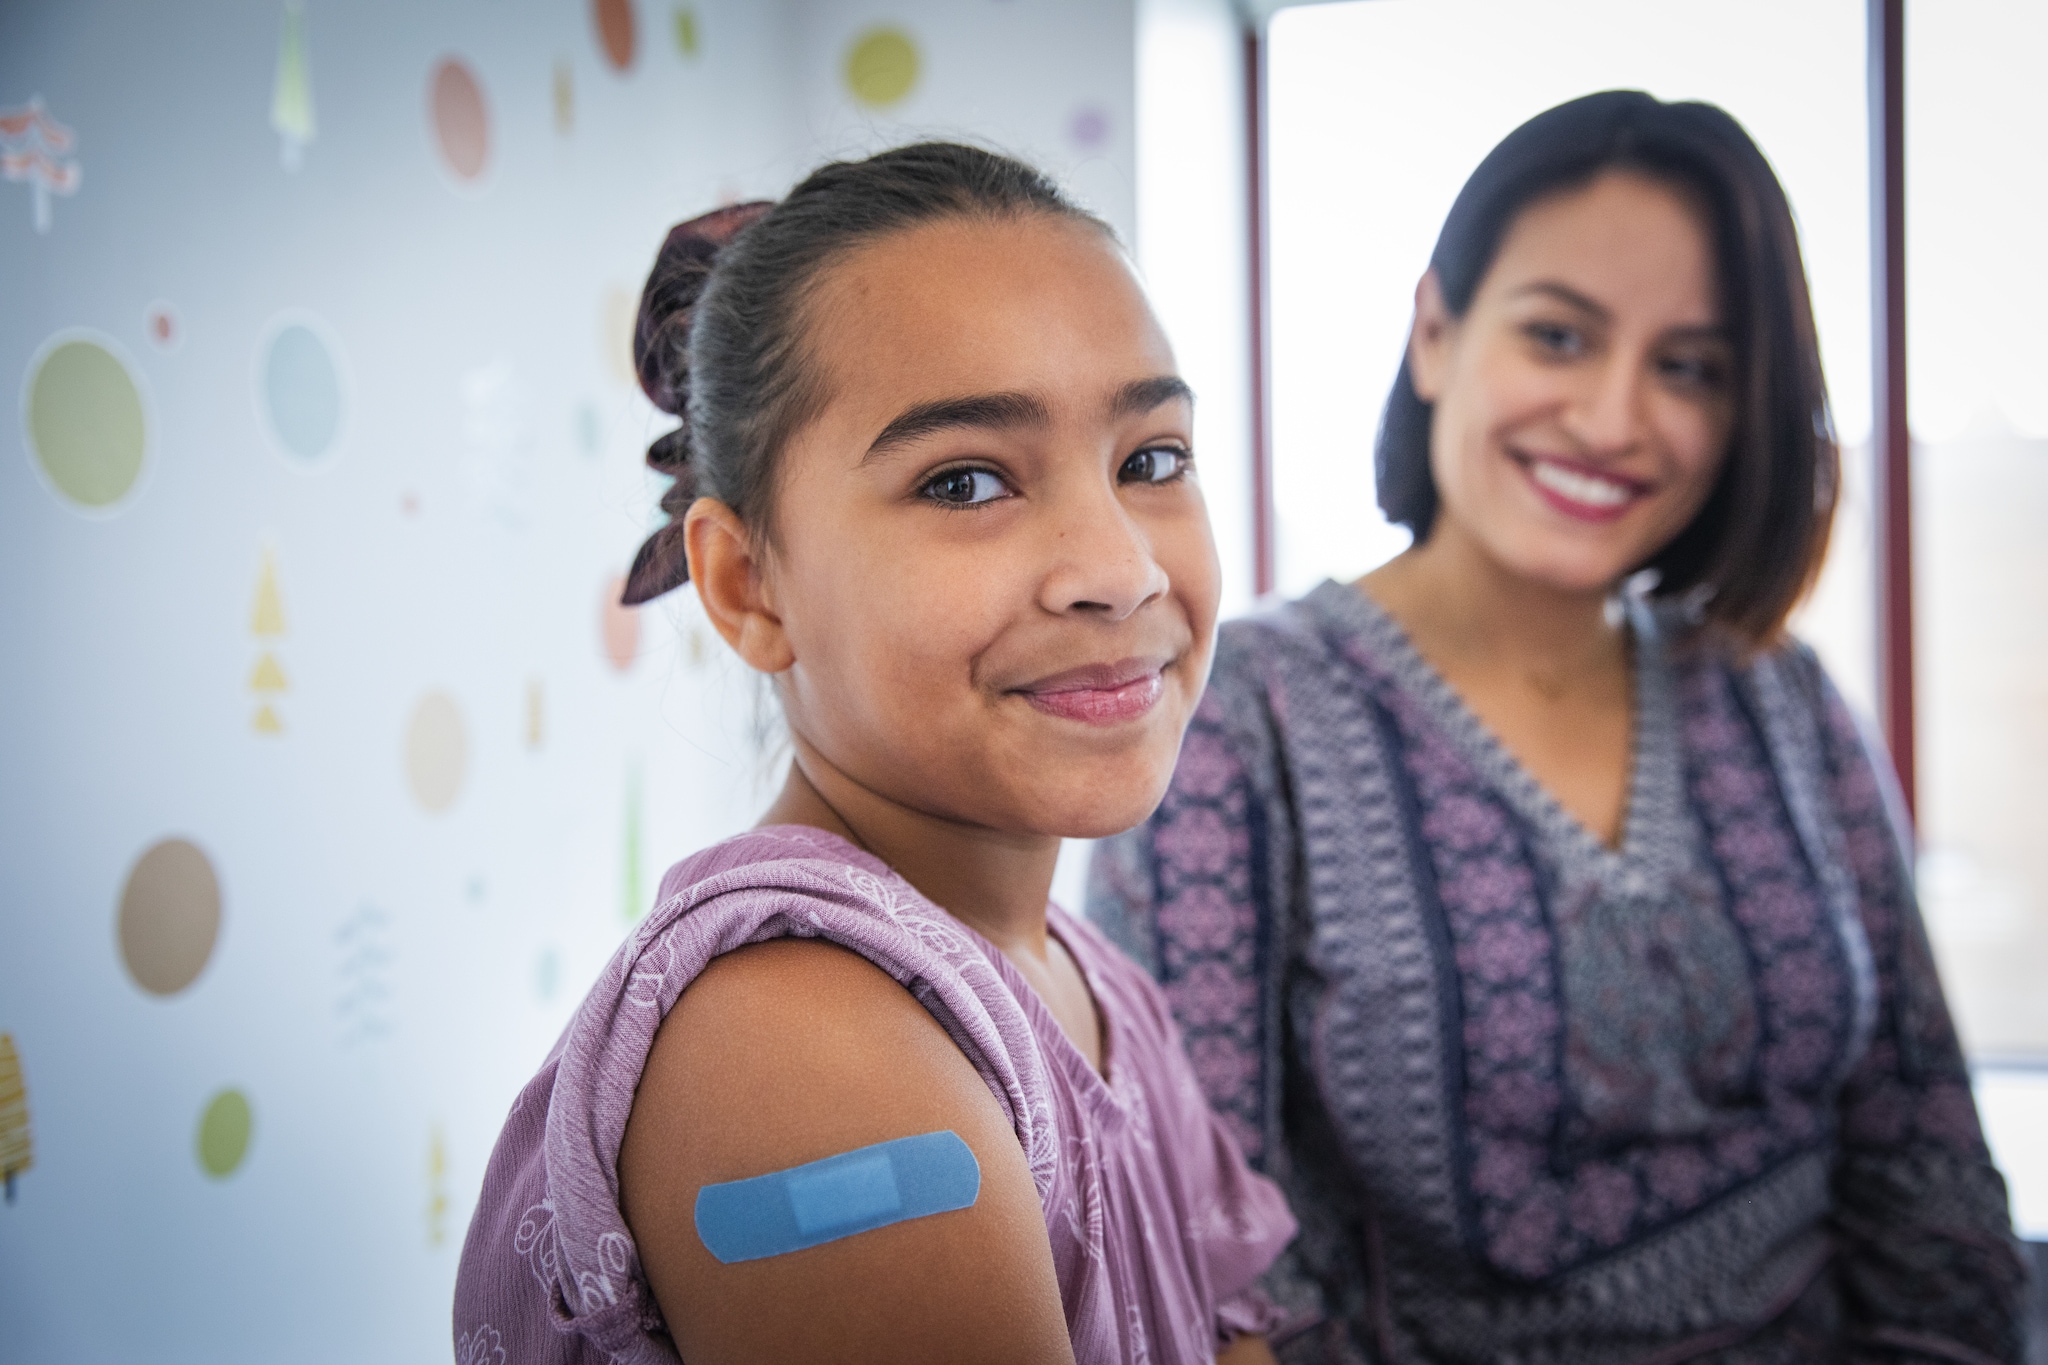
<point x="1607" y="419"/>
<point x="1102" y="560"/>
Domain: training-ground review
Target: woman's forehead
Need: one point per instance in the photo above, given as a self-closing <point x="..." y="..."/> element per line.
<point x="1623" y="237"/>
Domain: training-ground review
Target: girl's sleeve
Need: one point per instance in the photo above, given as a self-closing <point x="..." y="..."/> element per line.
<point x="1929" y="1269"/>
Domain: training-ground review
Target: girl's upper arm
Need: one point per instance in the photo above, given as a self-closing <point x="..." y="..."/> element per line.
<point x="788" y="1052"/>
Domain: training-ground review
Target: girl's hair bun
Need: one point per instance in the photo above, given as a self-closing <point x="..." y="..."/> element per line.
<point x="661" y="355"/>
<point x="661" y="337"/>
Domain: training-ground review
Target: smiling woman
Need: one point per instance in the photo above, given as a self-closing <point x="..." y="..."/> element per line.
<point x="935" y="478"/>
<point x="1534" y="907"/>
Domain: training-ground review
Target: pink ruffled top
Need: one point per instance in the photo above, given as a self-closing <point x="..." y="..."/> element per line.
<point x="1158" y="1228"/>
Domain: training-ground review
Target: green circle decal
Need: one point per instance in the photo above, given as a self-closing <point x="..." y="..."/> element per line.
<point x="881" y="66"/>
<point x="85" y="423"/>
<point x="224" y="1133"/>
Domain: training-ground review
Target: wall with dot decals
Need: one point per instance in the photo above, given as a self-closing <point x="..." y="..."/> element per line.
<point x="331" y="770"/>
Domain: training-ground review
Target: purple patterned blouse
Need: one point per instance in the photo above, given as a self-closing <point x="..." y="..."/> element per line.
<point x="1535" y="1099"/>
<point x="1159" y="1230"/>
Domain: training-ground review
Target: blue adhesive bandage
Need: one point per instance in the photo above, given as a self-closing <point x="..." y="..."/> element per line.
<point x="822" y="1201"/>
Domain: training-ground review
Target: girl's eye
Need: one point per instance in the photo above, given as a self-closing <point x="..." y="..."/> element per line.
<point x="1157" y="464"/>
<point x="965" y="487"/>
<point x="1556" y="340"/>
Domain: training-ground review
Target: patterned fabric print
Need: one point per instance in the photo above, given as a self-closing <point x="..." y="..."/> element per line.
<point x="1579" y="1142"/>
<point x="1801" y="971"/>
<point x="1207" y="926"/>
<point x="1913" y="1154"/>
<point x="1912" y="1084"/>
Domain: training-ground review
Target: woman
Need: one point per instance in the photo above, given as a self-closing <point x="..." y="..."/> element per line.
<point x="853" y="1091"/>
<point x="1531" y="907"/>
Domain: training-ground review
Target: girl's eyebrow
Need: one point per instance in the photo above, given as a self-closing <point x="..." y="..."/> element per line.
<point x="1140" y="396"/>
<point x="1008" y="411"/>
<point x="986" y="411"/>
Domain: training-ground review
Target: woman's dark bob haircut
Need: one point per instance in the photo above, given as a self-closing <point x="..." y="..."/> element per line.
<point x="1758" y="541"/>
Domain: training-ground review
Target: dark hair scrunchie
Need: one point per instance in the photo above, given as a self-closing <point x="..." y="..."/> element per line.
<point x="661" y="356"/>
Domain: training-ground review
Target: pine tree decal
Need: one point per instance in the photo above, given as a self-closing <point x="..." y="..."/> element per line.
<point x="17" y="1151"/>
<point x="266" y="623"/>
<point x="32" y="148"/>
<point x="437" y="1187"/>
<point x="291" y="99"/>
<point x="633" y="905"/>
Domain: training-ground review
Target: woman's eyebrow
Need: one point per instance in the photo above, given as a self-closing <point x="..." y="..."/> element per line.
<point x="987" y="411"/>
<point x="1568" y="296"/>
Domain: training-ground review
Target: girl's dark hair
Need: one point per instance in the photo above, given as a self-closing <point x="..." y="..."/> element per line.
<point x="1758" y="541"/>
<point x="719" y="341"/>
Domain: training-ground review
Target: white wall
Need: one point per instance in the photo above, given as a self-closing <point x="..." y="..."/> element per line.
<point x="385" y="974"/>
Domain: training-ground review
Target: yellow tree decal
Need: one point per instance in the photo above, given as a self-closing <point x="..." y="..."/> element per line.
<point x="266" y="623"/>
<point x="17" y="1152"/>
<point x="437" y="1187"/>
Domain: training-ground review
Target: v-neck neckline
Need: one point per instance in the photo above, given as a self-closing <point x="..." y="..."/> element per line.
<point x="1654" y="794"/>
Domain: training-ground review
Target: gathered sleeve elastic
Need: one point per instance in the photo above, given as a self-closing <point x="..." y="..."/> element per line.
<point x="1929" y="1270"/>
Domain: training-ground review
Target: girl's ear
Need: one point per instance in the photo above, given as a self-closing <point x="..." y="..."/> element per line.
<point x="1429" y="342"/>
<point x="731" y="584"/>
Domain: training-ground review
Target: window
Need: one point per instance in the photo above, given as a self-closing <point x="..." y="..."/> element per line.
<point x="1377" y="113"/>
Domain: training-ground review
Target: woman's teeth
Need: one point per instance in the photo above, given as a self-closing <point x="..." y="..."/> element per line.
<point x="1590" y="489"/>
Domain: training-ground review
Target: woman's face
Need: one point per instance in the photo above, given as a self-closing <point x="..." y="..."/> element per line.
<point x="991" y="561"/>
<point x="1584" y="402"/>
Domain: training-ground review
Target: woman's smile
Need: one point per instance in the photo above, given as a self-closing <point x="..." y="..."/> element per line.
<point x="1579" y="490"/>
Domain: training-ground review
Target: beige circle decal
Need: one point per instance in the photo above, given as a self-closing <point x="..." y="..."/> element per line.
<point x="170" y="917"/>
<point x="436" y="752"/>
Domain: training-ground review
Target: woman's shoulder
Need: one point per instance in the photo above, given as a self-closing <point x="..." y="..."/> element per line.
<point x="1284" y="646"/>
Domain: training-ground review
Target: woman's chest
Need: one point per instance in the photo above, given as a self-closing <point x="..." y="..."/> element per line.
<point x="1621" y="1037"/>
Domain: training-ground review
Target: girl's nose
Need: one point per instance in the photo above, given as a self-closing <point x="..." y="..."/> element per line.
<point x="1102" y="561"/>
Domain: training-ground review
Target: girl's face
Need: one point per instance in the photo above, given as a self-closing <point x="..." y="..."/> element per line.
<point x="991" y="563"/>
<point x="1583" y="404"/>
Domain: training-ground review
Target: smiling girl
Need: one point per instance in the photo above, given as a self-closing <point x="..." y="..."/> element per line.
<point x="934" y="478"/>
<point x="1536" y="911"/>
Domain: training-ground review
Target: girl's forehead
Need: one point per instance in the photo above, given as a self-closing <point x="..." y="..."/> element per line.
<point x="1039" y="302"/>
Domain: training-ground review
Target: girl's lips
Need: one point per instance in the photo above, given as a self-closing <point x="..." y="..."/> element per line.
<point x="1579" y="491"/>
<point x="1101" y="694"/>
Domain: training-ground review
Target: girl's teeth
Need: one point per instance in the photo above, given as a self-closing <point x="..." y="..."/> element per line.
<point x="1585" y="488"/>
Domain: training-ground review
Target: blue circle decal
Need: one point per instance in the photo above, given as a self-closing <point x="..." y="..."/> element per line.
<point x="302" y="391"/>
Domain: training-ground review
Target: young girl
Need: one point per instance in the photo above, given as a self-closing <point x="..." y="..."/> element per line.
<point x="935" y="477"/>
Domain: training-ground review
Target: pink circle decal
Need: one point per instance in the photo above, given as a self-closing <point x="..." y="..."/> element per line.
<point x="615" y="30"/>
<point x="462" y="123"/>
<point x="621" y="627"/>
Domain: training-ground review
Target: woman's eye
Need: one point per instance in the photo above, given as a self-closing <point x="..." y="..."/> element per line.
<point x="1158" y="464"/>
<point x="1697" y="372"/>
<point x="965" y="487"/>
<point x="1562" y="342"/>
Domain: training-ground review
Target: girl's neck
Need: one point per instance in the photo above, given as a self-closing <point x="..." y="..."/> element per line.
<point x="1460" y="606"/>
<point x="995" y="883"/>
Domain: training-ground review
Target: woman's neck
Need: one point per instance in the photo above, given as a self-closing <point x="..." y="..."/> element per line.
<point x="995" y="883"/>
<point x="1462" y="608"/>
